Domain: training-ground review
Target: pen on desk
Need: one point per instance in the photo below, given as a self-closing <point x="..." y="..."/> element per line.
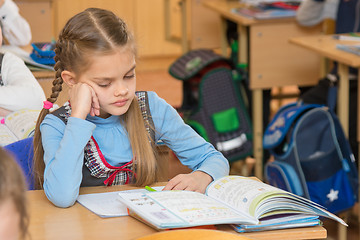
<point x="150" y="189"/>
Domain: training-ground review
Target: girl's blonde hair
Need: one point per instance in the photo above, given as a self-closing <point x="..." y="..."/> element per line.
<point x="89" y="33"/>
<point x="13" y="187"/>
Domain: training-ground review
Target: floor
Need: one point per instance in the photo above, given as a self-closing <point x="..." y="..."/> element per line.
<point x="170" y="89"/>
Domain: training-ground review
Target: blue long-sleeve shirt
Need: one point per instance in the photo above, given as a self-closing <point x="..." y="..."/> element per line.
<point x="64" y="148"/>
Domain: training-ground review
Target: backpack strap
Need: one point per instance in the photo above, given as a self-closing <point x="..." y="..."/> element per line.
<point x="1" y="59"/>
<point x="143" y="100"/>
<point x="282" y="123"/>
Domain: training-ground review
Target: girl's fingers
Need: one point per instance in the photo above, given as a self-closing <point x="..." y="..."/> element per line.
<point x="172" y="184"/>
<point x="92" y="112"/>
<point x="95" y="105"/>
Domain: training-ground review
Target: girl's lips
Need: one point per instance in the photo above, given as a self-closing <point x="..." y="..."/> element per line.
<point x="120" y="103"/>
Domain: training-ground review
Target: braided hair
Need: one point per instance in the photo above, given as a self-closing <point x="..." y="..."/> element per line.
<point x="96" y="31"/>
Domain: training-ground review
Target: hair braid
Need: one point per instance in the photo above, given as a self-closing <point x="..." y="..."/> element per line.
<point x="58" y="81"/>
<point x="39" y="165"/>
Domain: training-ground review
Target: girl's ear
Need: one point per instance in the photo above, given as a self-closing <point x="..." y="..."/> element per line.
<point x="68" y="77"/>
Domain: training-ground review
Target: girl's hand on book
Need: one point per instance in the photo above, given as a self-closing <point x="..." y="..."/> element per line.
<point x="83" y="101"/>
<point x="196" y="181"/>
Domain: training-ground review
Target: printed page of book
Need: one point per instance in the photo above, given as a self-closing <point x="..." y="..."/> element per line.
<point x="196" y="207"/>
<point x="22" y="123"/>
<point x="242" y="193"/>
<point x="176" y="209"/>
<point x="6" y="136"/>
<point x="290" y="202"/>
<point x="259" y="199"/>
<point x="147" y="210"/>
<point x="107" y="204"/>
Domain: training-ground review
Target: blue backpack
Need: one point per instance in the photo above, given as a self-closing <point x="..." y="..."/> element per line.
<point x="312" y="157"/>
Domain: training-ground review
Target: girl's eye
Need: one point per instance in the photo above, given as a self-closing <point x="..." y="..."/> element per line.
<point x="129" y="76"/>
<point x="104" y="85"/>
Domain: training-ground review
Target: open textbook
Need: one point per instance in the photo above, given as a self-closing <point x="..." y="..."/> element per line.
<point x="18" y="125"/>
<point x="228" y="200"/>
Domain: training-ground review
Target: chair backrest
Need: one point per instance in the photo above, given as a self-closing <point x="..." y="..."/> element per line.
<point x="23" y="153"/>
<point x="198" y="234"/>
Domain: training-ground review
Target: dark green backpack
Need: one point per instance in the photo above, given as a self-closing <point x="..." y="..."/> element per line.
<point x="212" y="102"/>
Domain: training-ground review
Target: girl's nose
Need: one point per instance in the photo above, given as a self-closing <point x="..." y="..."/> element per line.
<point x="121" y="90"/>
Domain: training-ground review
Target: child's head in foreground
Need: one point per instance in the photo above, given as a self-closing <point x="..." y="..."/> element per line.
<point x="13" y="210"/>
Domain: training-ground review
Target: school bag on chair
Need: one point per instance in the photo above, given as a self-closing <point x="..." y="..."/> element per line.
<point x="212" y="102"/>
<point x="312" y="157"/>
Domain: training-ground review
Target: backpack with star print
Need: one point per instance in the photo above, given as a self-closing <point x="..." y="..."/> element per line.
<point x="312" y="157"/>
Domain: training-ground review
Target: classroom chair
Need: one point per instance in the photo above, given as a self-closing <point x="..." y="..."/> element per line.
<point x="198" y="234"/>
<point x="23" y="153"/>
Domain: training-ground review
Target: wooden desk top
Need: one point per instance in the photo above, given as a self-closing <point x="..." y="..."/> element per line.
<point x="224" y="8"/>
<point x="43" y="74"/>
<point x="325" y="45"/>
<point x="48" y="222"/>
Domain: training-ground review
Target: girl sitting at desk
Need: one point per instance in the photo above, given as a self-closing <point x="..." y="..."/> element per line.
<point x="107" y="133"/>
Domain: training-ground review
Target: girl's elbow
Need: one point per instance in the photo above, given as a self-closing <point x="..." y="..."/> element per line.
<point x="59" y="198"/>
<point x="63" y="203"/>
<point x="226" y="169"/>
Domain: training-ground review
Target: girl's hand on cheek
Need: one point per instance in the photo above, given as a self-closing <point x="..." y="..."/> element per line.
<point x="83" y="101"/>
